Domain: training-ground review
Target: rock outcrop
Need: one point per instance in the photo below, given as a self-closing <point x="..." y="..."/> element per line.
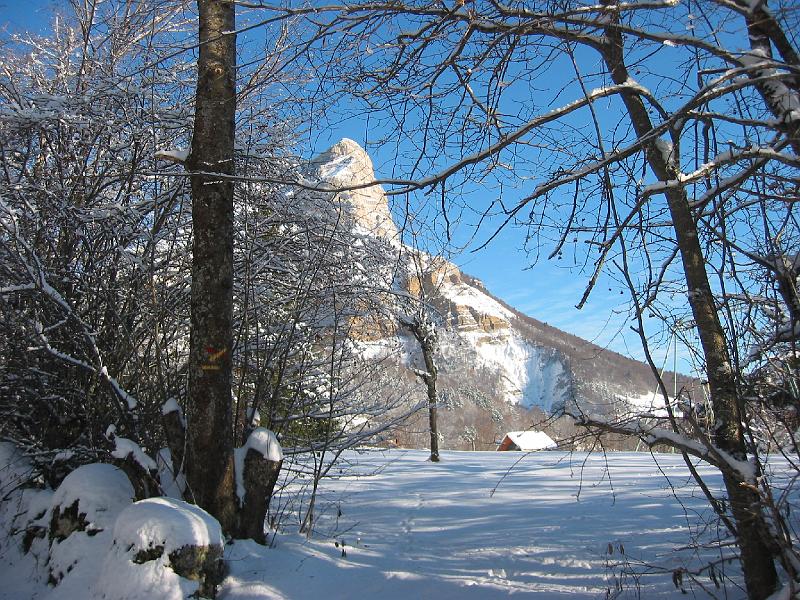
<point x="347" y="165"/>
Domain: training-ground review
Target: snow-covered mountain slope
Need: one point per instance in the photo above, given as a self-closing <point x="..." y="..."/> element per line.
<point x="490" y="356"/>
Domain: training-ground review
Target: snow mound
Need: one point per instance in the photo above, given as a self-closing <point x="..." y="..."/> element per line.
<point x="147" y="535"/>
<point x="165" y="522"/>
<point x="122" y="579"/>
<point x="101" y="490"/>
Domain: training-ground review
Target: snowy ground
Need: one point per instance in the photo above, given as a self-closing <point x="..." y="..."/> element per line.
<point x="557" y="525"/>
<point x="423" y="530"/>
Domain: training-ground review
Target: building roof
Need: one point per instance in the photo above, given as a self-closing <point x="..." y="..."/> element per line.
<point x="528" y="441"/>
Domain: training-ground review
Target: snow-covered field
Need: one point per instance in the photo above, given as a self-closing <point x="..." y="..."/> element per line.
<point x="395" y="526"/>
<point x="469" y="528"/>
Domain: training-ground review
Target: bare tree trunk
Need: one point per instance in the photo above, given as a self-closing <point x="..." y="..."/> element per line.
<point x="426" y="336"/>
<point x="209" y="465"/>
<point x="430" y="383"/>
<point x="757" y="561"/>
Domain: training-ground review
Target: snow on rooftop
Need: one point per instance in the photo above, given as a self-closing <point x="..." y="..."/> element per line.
<point x="528" y="441"/>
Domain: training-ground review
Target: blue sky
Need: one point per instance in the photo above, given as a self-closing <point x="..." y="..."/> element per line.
<point x="547" y="290"/>
<point x="29" y="15"/>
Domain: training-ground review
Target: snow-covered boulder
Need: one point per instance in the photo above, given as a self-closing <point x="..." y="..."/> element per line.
<point x="162" y="548"/>
<point x="89" y="499"/>
<point x="86" y="504"/>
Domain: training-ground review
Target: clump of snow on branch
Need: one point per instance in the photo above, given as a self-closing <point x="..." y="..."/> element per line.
<point x="125" y="448"/>
<point x="179" y="156"/>
<point x="171" y="406"/>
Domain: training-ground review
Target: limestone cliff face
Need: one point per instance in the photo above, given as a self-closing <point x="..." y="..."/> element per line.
<point x="346" y="164"/>
<point x="455" y="299"/>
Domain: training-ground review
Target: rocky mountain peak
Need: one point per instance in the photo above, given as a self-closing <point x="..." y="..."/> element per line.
<point x="462" y="305"/>
<point x="347" y="164"/>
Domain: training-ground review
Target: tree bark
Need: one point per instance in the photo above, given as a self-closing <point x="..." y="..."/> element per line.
<point x="757" y="560"/>
<point x="763" y="31"/>
<point x="209" y="464"/>
<point x="430" y="383"/>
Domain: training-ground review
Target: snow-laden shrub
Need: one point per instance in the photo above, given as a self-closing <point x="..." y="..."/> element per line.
<point x="162" y="548"/>
<point x="15" y="469"/>
<point x="23" y="506"/>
